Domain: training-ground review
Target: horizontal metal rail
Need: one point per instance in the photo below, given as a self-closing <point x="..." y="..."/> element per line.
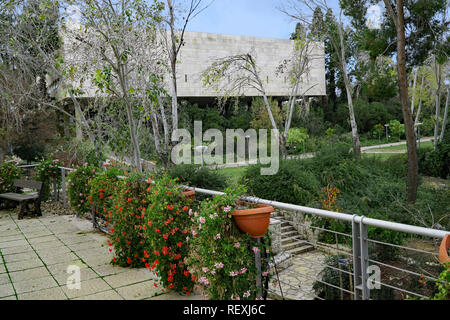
<point x="434" y="233"/>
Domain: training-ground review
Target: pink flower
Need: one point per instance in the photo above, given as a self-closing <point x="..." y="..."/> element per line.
<point x="243" y="270"/>
<point x="202" y="219"/>
<point x="255" y="250"/>
<point x="237" y="245"/>
<point x="227" y="209"/>
<point x="218" y="265"/>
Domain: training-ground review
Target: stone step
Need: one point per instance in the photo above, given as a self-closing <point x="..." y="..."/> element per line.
<point x="285" y="223"/>
<point x="294" y="244"/>
<point x="300" y="250"/>
<point x="289" y="234"/>
<point x="287" y="228"/>
<point x="293" y="238"/>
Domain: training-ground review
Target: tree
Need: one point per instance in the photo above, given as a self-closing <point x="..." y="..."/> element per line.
<point x="121" y="55"/>
<point x="424" y="33"/>
<point x="333" y="29"/>
<point x="174" y="40"/>
<point x="28" y="36"/>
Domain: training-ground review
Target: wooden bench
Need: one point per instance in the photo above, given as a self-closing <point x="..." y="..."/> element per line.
<point x="25" y="199"/>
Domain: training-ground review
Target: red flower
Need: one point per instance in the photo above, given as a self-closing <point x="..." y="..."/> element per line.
<point x="165" y="235"/>
<point x="150" y="223"/>
<point x="186" y="273"/>
<point x="130" y="199"/>
<point x="128" y="260"/>
<point x="156" y="252"/>
<point x="185" y="208"/>
<point x="179" y="244"/>
<point x="164" y="250"/>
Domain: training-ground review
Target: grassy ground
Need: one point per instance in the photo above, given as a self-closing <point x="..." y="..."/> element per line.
<point x="233" y="174"/>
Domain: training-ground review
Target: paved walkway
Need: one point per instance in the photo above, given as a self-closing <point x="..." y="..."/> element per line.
<point x="297" y="280"/>
<point x="35" y="254"/>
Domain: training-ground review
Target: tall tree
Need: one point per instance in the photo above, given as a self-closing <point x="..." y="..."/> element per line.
<point x="177" y="17"/>
<point x="333" y="28"/>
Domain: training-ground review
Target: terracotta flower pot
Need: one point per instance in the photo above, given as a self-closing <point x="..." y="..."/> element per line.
<point x="189" y="194"/>
<point x="443" y="249"/>
<point x="254" y="221"/>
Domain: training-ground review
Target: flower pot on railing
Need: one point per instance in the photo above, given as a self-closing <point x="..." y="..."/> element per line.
<point x="443" y="249"/>
<point x="189" y="194"/>
<point x="252" y="219"/>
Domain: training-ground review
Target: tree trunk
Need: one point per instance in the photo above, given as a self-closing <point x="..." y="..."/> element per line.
<point x="355" y="135"/>
<point x="414" y="92"/>
<point x="412" y="178"/>
<point x="438" y="102"/>
<point x="419" y="108"/>
<point x="444" y="121"/>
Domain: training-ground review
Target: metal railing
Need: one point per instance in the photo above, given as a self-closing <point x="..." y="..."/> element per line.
<point x="352" y="259"/>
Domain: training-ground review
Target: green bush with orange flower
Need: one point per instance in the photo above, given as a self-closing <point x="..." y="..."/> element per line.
<point x="8" y="172"/>
<point x="166" y="226"/>
<point x="127" y="221"/>
<point x="78" y="188"/>
<point x="102" y="188"/>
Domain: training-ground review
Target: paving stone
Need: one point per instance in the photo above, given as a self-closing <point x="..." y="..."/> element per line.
<point x="48" y="245"/>
<point x="29" y="274"/>
<point x="62" y="267"/>
<point x="2" y="267"/>
<point x="9" y="298"/>
<point x="35" y="284"/>
<point x="14" y="250"/>
<point x="129" y="277"/>
<point x="87" y="287"/>
<point x="6" y="290"/>
<point x="4" y="278"/>
<point x="58" y="258"/>
<point x="108" y="269"/>
<point x="11" y="244"/>
<point x="13" y="237"/>
<point x="52" y="251"/>
<point x="24" y="264"/>
<point x="44" y="239"/>
<point x="85" y="274"/>
<point x="20" y="256"/>
<point x="37" y="234"/>
<point x="105" y="295"/>
<point x="138" y="291"/>
<point x="47" y="294"/>
<point x="96" y="260"/>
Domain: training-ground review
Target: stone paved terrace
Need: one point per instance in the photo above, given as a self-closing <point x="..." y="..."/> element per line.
<point x="36" y="251"/>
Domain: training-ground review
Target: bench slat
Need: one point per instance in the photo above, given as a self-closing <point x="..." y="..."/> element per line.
<point x="19" y="196"/>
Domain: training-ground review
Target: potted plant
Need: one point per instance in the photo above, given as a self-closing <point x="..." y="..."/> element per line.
<point x="443" y="249"/>
<point x="252" y="218"/>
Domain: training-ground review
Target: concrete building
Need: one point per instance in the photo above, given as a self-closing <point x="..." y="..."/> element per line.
<point x="200" y="50"/>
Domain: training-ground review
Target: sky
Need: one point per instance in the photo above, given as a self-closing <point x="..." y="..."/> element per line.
<point x="257" y="18"/>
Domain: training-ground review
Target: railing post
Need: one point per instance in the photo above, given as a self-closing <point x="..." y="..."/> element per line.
<point x="55" y="189"/>
<point x="360" y="259"/>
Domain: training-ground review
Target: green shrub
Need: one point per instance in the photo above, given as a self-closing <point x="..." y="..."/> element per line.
<point x="196" y="176"/>
<point x="166" y="225"/>
<point x="78" y="188"/>
<point x="102" y="188"/>
<point x="8" y="172"/>
<point x="436" y="163"/>
<point x="126" y="218"/>
<point x="293" y="183"/>
<point x="296" y="138"/>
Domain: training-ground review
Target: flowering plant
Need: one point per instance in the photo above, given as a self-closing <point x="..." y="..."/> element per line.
<point x="78" y="188"/>
<point x="8" y="172"/>
<point x="48" y="172"/>
<point x="166" y="226"/>
<point x="126" y="218"/>
<point x="102" y="188"/>
<point x="221" y="255"/>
